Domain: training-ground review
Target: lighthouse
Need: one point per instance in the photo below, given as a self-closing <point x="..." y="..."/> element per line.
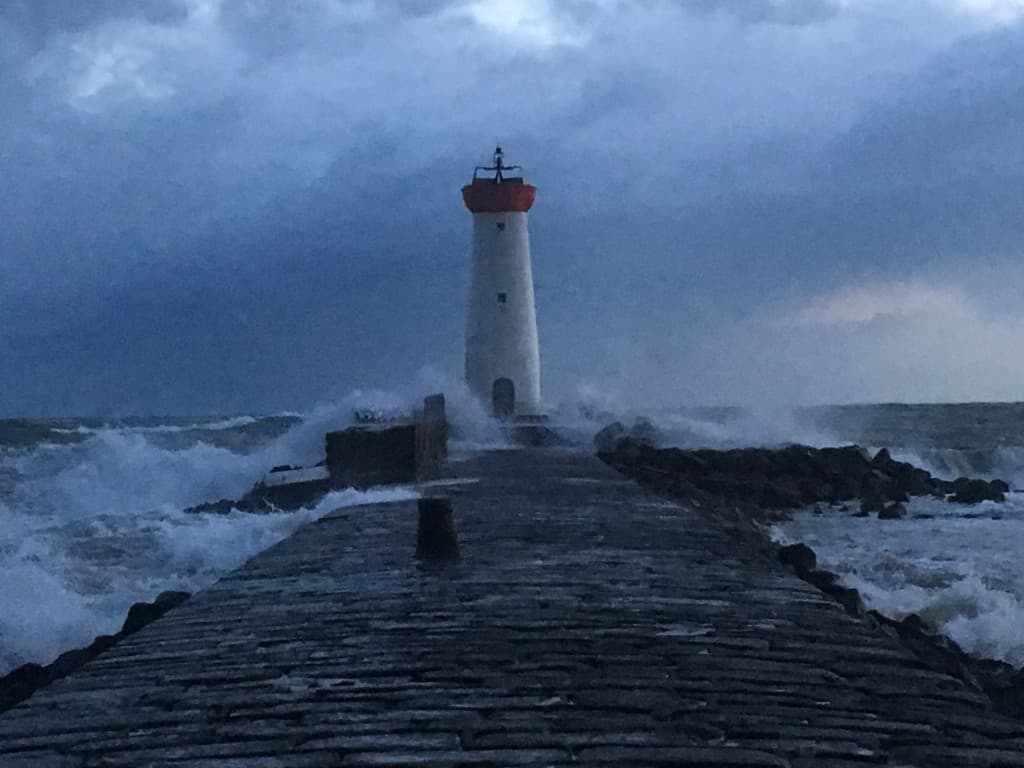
<point x="502" y="351"/>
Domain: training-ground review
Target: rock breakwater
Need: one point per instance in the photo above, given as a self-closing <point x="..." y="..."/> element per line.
<point x="766" y="481"/>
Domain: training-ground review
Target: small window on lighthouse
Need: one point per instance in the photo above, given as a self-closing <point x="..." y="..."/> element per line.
<point x="501" y="226"/>
<point x="502" y="298"/>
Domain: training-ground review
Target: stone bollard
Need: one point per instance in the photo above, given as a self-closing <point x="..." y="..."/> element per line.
<point x="431" y="438"/>
<point x="436" y="538"/>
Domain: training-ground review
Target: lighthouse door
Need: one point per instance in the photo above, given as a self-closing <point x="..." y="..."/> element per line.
<point x="503" y="395"/>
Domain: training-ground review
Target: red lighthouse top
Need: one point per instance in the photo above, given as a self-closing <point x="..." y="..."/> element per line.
<point x="499" y="193"/>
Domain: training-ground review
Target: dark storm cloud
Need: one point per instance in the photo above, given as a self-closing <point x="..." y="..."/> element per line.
<point x="247" y="205"/>
<point x="36" y="20"/>
<point x="933" y="175"/>
<point x="788" y="12"/>
<point x="959" y="120"/>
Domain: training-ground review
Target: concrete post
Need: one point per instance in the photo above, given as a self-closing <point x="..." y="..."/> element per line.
<point x="436" y="538"/>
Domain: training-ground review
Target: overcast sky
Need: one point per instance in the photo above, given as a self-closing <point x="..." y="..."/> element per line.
<point x="253" y="205"/>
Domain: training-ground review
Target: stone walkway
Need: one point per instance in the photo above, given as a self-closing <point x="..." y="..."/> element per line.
<point x="588" y="622"/>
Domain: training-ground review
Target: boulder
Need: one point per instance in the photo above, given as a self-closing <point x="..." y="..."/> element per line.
<point x="607" y="439"/>
<point x="849" y="462"/>
<point x="781" y="494"/>
<point x="21" y="683"/>
<point x="814" y="490"/>
<point x="141" y="614"/>
<point x="968" y="491"/>
<point x="871" y="500"/>
<point x="1005" y="686"/>
<point x="850" y="599"/>
<point x="823" y="580"/>
<point x="915" y="482"/>
<point x="751" y="462"/>
<point x="644" y="431"/>
<point x="1000" y="485"/>
<point x="686" y="462"/>
<point x="798" y="461"/>
<point x="900" y="479"/>
<point x="898" y="495"/>
<point x="221" y="507"/>
<point x="894" y="511"/>
<point x="284" y="496"/>
<point x="799" y="556"/>
<point x="69" y="661"/>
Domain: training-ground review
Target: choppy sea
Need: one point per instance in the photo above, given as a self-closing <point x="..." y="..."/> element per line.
<point x="92" y="520"/>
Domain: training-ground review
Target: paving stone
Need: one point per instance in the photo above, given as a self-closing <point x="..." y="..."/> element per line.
<point x="721" y="757"/>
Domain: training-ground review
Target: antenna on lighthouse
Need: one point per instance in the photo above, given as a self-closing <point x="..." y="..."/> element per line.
<point x="499" y="162"/>
<point x="499" y="168"/>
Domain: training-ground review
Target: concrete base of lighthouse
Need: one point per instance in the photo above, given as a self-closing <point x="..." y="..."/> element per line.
<point x="533" y="432"/>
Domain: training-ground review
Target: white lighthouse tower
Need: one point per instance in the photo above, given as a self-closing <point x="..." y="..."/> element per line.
<point x="502" y="352"/>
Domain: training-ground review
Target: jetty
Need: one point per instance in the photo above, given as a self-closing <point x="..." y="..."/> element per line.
<point x="584" y="621"/>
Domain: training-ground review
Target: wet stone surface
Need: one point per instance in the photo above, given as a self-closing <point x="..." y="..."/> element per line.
<point x="586" y="622"/>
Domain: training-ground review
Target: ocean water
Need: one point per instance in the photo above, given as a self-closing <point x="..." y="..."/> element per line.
<point x="959" y="567"/>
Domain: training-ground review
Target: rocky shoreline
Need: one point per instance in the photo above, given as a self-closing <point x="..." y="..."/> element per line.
<point x="756" y="486"/>
<point x="23" y="681"/>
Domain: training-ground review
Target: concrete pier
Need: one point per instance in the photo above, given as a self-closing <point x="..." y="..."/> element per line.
<point x="586" y="622"/>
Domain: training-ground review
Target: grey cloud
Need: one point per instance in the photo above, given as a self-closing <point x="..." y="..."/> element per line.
<point x="276" y="29"/>
<point x="959" y="118"/>
<point x="39" y="19"/>
<point x="785" y="12"/>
